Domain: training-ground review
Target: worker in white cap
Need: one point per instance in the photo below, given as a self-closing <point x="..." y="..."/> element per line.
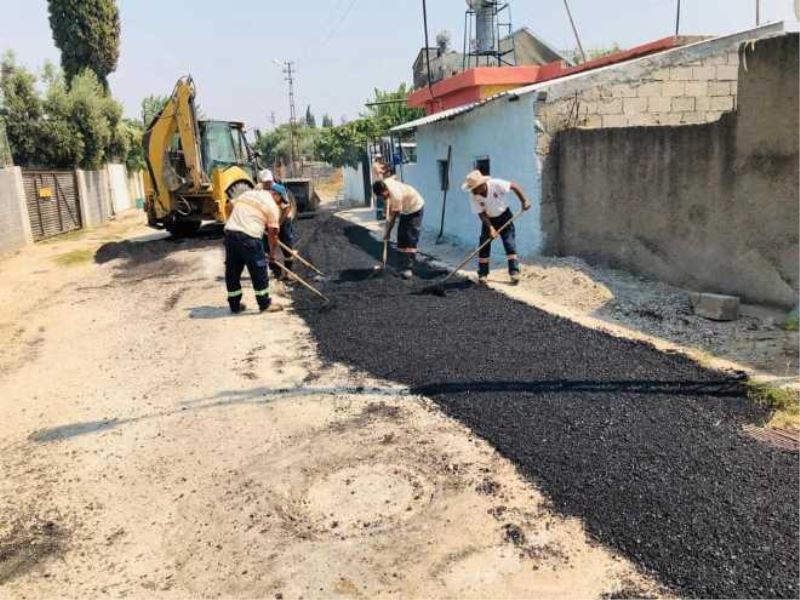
<point x="288" y="212"/>
<point x="489" y="200"/>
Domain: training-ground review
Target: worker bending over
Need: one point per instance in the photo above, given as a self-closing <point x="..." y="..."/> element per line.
<point x="405" y="202"/>
<point x="489" y="200"/>
<point x="286" y="233"/>
<point x="254" y="213"/>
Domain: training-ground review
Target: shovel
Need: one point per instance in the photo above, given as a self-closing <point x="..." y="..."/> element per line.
<point x="437" y="289"/>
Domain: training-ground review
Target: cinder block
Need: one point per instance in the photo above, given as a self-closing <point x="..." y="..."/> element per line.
<point x="674" y="88"/>
<point x="610" y="107"/>
<point x="614" y="121"/>
<point x="727" y="72"/>
<point x="659" y="104"/>
<point x="623" y="90"/>
<point x="722" y="103"/>
<point x="702" y="103"/>
<point x="683" y="104"/>
<point x="594" y="121"/>
<point x="650" y="90"/>
<point x="719" y="88"/>
<point x="716" y="307"/>
<point x="634" y="106"/>
<point x="696" y="88"/>
<point x="693" y="118"/>
<point x="660" y="75"/>
<point x="703" y="73"/>
<point x="641" y="120"/>
<point x="720" y="58"/>
<point x="680" y="74"/>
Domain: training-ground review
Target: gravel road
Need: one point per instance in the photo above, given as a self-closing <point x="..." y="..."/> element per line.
<point x="645" y="447"/>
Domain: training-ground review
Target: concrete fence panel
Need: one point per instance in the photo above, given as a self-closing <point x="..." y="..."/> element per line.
<point x="15" y="226"/>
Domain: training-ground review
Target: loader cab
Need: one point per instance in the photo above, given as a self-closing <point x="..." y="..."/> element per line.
<point x="223" y="145"/>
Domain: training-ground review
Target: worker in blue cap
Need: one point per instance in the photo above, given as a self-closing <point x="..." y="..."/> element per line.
<point x="288" y="209"/>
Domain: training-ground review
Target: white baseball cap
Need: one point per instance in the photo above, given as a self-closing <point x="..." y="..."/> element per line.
<point x="265" y="176"/>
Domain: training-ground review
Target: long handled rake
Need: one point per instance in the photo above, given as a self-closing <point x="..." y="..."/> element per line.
<point x="296" y="254"/>
<point x="437" y="289"/>
<point x="302" y="282"/>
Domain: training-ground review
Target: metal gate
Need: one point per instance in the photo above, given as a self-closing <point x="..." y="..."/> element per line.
<point x="52" y="198"/>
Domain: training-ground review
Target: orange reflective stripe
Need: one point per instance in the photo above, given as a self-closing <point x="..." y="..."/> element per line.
<point x="484" y="261"/>
<point x="408" y="250"/>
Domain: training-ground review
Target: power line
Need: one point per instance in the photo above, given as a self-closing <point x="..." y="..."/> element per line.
<point x="338" y="24"/>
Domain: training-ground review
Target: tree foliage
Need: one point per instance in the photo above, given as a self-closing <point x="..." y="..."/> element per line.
<point x="275" y="146"/>
<point x="311" y="120"/>
<point x="62" y="127"/>
<point x="346" y="144"/>
<point x="151" y="106"/>
<point x="327" y="120"/>
<point x="87" y="33"/>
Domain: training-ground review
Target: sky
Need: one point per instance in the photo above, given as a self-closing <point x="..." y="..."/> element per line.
<point x="342" y="49"/>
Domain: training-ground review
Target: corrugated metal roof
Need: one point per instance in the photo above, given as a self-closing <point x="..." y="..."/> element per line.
<point x="765" y="30"/>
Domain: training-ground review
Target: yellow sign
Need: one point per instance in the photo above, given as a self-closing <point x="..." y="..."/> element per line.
<point x="45" y="192"/>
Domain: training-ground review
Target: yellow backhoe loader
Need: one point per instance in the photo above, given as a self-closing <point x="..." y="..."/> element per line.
<point x="194" y="168"/>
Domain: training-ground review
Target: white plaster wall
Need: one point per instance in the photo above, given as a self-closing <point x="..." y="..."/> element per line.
<point x="354" y="186"/>
<point x="118" y="181"/>
<point x="505" y="132"/>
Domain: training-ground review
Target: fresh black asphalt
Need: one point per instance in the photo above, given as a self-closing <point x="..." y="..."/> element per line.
<point x="645" y="447"/>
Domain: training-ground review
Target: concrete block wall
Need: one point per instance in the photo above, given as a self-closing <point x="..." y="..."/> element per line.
<point x="713" y="207"/>
<point x="15" y="226"/>
<point x="682" y="93"/>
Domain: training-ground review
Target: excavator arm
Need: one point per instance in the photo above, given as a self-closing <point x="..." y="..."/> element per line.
<point x="177" y="117"/>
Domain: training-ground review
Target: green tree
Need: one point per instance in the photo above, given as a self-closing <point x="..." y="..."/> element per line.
<point x="21" y="109"/>
<point x="311" y="120"/>
<point x="346" y="144"/>
<point x="63" y="127"/>
<point x="151" y="106"/>
<point x="327" y="120"/>
<point x="87" y="33"/>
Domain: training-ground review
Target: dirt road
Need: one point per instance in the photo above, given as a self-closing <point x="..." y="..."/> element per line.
<point x="153" y="446"/>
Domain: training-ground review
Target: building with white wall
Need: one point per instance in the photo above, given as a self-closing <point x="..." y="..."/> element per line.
<point x="509" y="135"/>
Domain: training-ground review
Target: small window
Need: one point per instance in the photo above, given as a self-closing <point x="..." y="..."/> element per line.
<point x="484" y="165"/>
<point x="444" y="174"/>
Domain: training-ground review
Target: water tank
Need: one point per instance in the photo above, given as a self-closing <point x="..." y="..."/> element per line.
<point x="485" y="26"/>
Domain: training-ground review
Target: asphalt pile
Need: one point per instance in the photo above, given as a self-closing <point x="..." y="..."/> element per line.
<point x="645" y="447"/>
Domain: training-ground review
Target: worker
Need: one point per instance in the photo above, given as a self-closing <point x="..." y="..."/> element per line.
<point x="254" y="213"/>
<point x="489" y="200"/>
<point x="288" y="210"/>
<point x="405" y="204"/>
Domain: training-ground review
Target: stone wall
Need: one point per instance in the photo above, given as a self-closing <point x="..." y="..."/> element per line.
<point x="713" y="206"/>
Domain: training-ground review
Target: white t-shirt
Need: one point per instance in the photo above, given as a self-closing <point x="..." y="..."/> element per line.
<point x="496" y="201"/>
<point x="403" y="198"/>
<point x="253" y="212"/>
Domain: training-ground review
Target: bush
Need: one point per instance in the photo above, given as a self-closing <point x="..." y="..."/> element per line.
<point x="79" y="126"/>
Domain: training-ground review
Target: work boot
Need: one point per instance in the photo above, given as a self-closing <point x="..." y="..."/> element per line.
<point x="270" y="307"/>
<point x="238" y="308"/>
<point x="407" y="274"/>
<point x="514" y="277"/>
<point x="483" y="280"/>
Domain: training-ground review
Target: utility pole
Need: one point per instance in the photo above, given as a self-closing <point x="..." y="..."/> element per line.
<point x="758" y="13"/>
<point x="272" y="119"/>
<point x="288" y="70"/>
<point x="575" y="31"/>
<point x="678" y="20"/>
